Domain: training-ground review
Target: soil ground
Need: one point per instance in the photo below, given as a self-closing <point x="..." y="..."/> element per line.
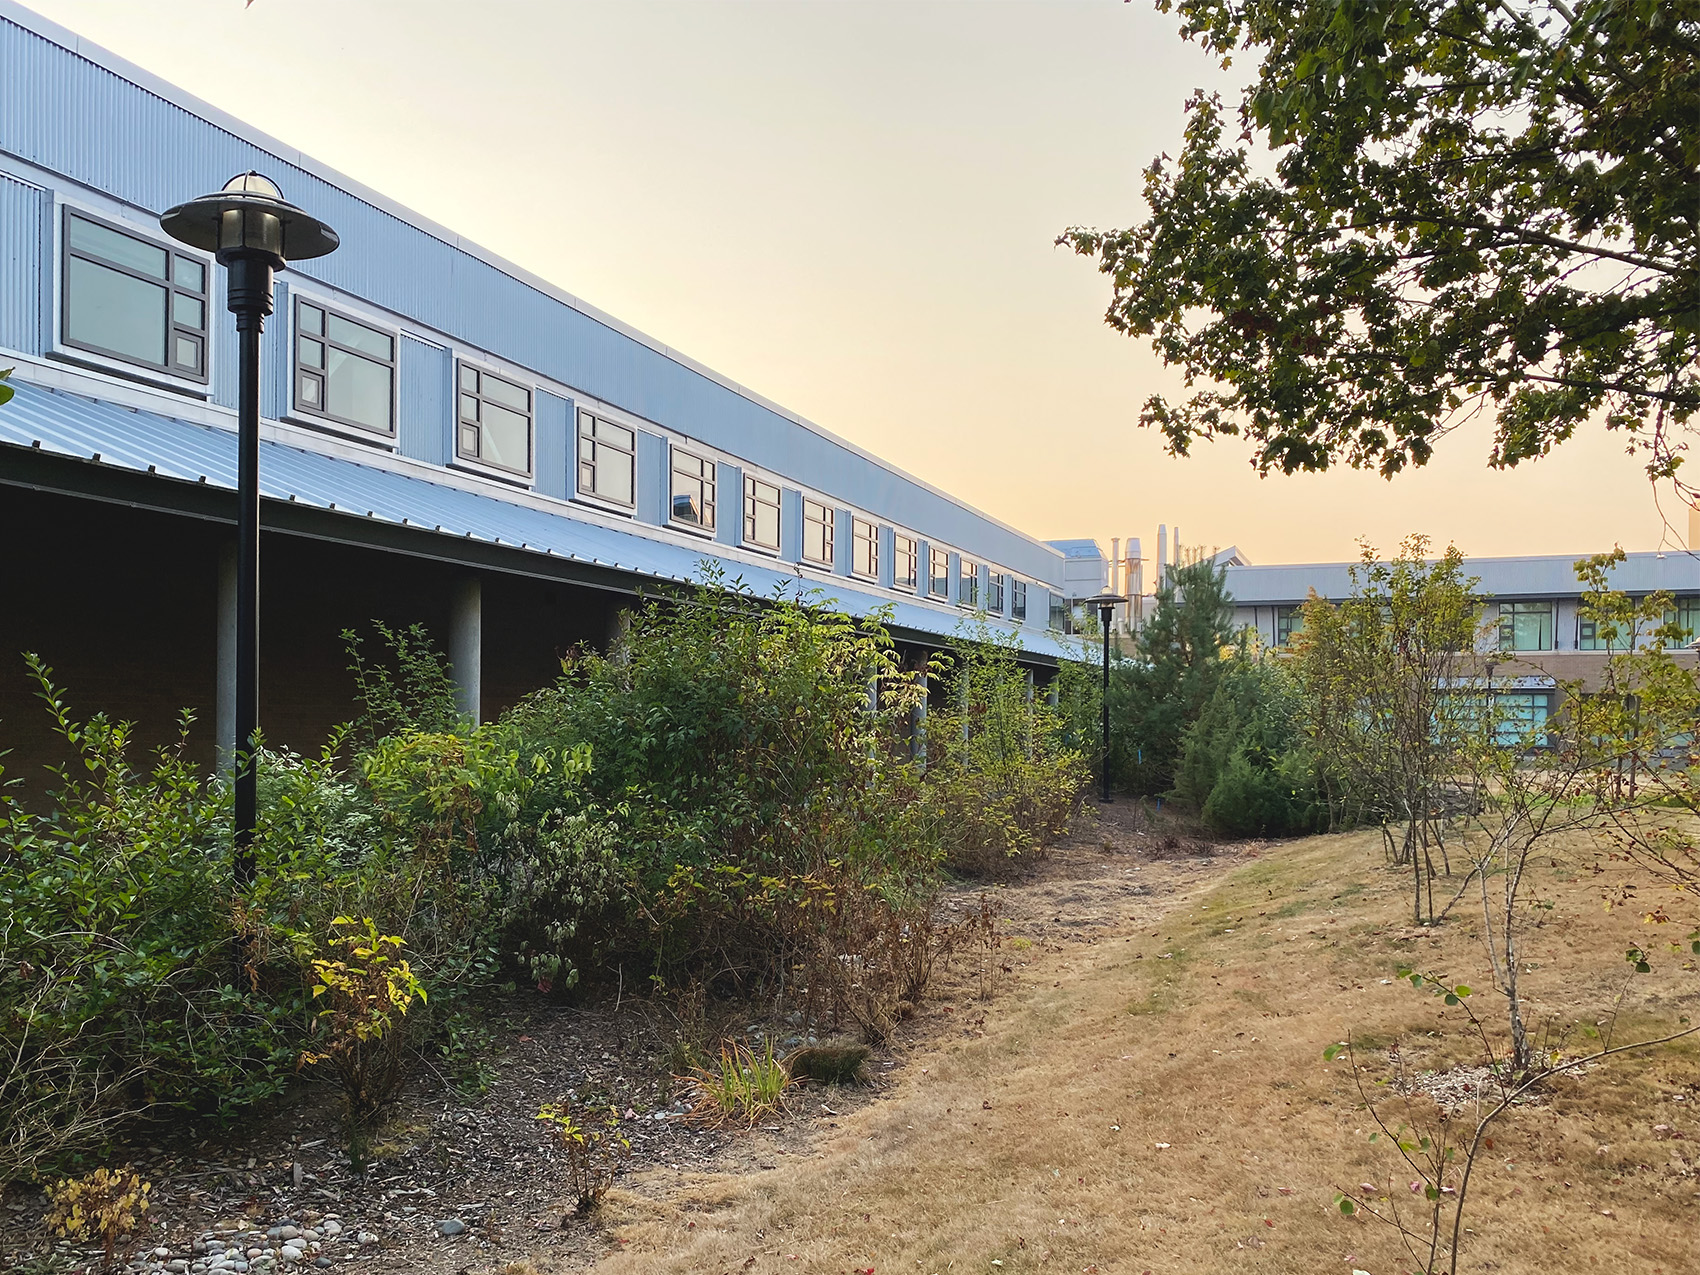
<point x="1135" y="1084"/>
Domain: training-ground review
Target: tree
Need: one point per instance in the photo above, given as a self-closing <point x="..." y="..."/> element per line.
<point x="1389" y="708"/>
<point x="1472" y="205"/>
<point x="1158" y="693"/>
<point x="5" y="390"/>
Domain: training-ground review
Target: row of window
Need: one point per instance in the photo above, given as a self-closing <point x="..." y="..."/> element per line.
<point x="1524" y="626"/>
<point x="125" y="297"/>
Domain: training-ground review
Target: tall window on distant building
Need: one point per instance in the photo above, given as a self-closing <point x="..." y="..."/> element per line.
<point x="495" y="421"/>
<point x="994" y="592"/>
<point x="344" y="369"/>
<point x="1525" y="626"/>
<point x="761" y="514"/>
<point x="865" y="548"/>
<point x="903" y="563"/>
<point x="1018" y="600"/>
<point x="1059" y="614"/>
<point x="1686" y="616"/>
<point x="1289" y="621"/>
<point x="607" y="460"/>
<point x="817" y="533"/>
<point x="692" y="500"/>
<point x="938" y="572"/>
<point x="969" y="594"/>
<point x="134" y="300"/>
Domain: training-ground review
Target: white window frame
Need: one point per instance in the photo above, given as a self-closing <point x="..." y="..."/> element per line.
<point x="478" y="462"/>
<point x="829" y="522"/>
<point x="316" y="416"/>
<point x="944" y="595"/>
<point x="1018" y="586"/>
<point x="610" y="503"/>
<point x="857" y="539"/>
<point x="746" y="498"/>
<point x="967" y="597"/>
<point x="709" y="478"/>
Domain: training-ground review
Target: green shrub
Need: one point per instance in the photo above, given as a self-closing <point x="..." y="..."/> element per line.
<point x="1244" y="765"/>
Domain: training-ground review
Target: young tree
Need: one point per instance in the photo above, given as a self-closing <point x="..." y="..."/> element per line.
<point x="1387" y="677"/>
<point x="1471" y="204"/>
<point x="1161" y="690"/>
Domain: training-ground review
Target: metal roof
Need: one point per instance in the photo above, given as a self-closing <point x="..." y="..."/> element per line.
<point x="1077" y="548"/>
<point x="58" y="423"/>
<point x="1545" y="576"/>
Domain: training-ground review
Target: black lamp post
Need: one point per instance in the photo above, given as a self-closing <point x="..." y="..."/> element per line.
<point x="253" y="231"/>
<point x="1106" y="603"/>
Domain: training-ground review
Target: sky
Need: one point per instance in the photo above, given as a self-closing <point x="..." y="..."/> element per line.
<point x="849" y="206"/>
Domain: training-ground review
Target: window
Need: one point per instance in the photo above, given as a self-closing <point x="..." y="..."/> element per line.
<point x="1590" y="636"/>
<point x="969" y="594"/>
<point x="1521" y="717"/>
<point x="938" y="572"/>
<point x="994" y="592"/>
<point x="761" y="514"/>
<point x="344" y="370"/>
<point x="692" y="492"/>
<point x="132" y="299"/>
<point x="495" y="421"/>
<point x="1686" y="615"/>
<point x="903" y="563"/>
<point x="607" y="460"/>
<point x="865" y="548"/>
<point x="1059" y="614"/>
<point x="1289" y="620"/>
<point x="817" y="533"/>
<point x="1018" y="600"/>
<point x="1525" y="626"/>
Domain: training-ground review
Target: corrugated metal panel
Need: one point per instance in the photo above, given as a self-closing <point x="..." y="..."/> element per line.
<point x="790" y="525"/>
<point x="21" y="258"/>
<point x="425" y="427"/>
<point x="842" y="542"/>
<point x="1547" y="576"/>
<point x="68" y="115"/>
<point x="554" y="460"/>
<point x="651" y="479"/>
<point x="68" y="425"/>
<point x="729" y="503"/>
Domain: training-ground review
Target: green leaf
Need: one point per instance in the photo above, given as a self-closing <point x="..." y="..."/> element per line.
<point x="1333" y="1051"/>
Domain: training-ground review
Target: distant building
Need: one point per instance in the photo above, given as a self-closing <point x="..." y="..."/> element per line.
<point x="446" y="439"/>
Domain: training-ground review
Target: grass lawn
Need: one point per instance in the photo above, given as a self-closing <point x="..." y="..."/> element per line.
<point x="1148" y="1092"/>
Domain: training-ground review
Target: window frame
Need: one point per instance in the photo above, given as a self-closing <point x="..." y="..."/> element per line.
<point x="938" y="586"/>
<point x="1289" y="622"/>
<point x="777" y="504"/>
<point x="63" y="341"/>
<point x="708" y="478"/>
<point x="828" y="523"/>
<point x="910" y="582"/>
<point x="871" y="540"/>
<point x="462" y="366"/>
<point x="590" y="495"/>
<point x="1017" y="599"/>
<point x="996" y="585"/>
<point x="298" y="373"/>
<point x="1510" y="623"/>
<point x="968" y="583"/>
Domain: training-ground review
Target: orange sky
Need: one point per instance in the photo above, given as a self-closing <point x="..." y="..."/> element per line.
<point x="849" y="207"/>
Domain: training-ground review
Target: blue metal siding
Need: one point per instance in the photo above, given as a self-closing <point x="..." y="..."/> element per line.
<point x="277" y="364"/>
<point x="426" y="425"/>
<point x="652" y="481"/>
<point x="553" y="461"/>
<point x="842" y="544"/>
<point x="69" y="115"/>
<point x="953" y="573"/>
<point x="22" y="256"/>
<point x="728" y="503"/>
<point x="790" y="525"/>
<point x="888" y="557"/>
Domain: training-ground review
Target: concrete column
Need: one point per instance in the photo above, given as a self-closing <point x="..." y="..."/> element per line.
<point x="921" y="713"/>
<point x="466" y="646"/>
<point x="224" y="698"/>
<point x="619" y="625"/>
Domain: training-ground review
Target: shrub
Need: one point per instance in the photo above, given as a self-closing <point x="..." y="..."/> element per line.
<point x="594" y="1150"/>
<point x="1244" y="764"/>
<point x="107" y="1204"/>
<point x="830" y="1063"/>
<point x="741" y="1085"/>
<point x="360" y="1031"/>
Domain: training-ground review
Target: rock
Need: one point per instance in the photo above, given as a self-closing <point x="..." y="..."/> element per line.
<point x="290" y="1253"/>
<point x="451" y="1226"/>
<point x="332" y="1228"/>
<point x="288" y="1231"/>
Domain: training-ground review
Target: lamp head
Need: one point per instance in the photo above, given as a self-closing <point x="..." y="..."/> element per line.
<point x="1103" y="601"/>
<point x="250" y="220"/>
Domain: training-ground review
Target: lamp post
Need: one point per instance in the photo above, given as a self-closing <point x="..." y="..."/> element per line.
<point x="1106" y="603"/>
<point x="253" y="232"/>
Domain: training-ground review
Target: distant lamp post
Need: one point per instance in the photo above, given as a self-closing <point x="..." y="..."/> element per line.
<point x="1106" y="604"/>
<point x="253" y="231"/>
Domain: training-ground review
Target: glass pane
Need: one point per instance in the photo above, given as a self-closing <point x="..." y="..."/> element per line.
<point x="507" y="395"/>
<point x="312" y="320"/>
<point x="615" y="479"/>
<point x="309" y="391"/>
<point x="189" y="312"/>
<point x="469" y="379"/>
<point x="116" y="312"/>
<point x="191" y="275"/>
<point x="614" y="434"/>
<point x="814" y="541"/>
<point x="188" y="353"/>
<point x="686" y="508"/>
<point x="357" y="336"/>
<point x="468" y="408"/>
<point x="469" y="441"/>
<point x="312" y="354"/>
<point x="358" y="390"/>
<point x="117" y="248"/>
<point x="507" y="438"/>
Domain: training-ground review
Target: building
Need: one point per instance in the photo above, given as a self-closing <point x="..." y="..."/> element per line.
<point x="446" y="439"/>
<point x="1534" y="633"/>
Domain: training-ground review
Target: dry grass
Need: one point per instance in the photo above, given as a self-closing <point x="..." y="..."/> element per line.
<point x="1155" y="1100"/>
